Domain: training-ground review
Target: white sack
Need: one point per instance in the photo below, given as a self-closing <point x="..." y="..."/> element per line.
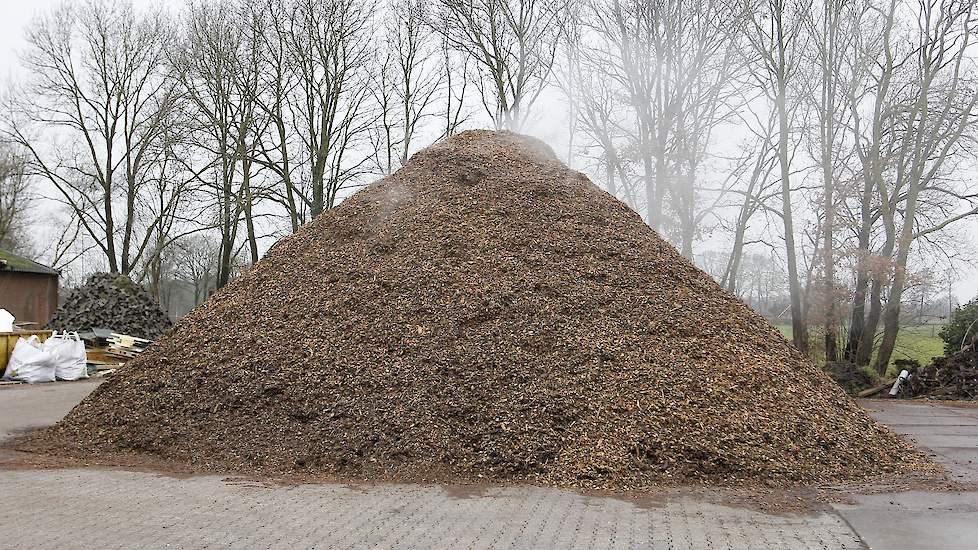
<point x="30" y="363"/>
<point x="6" y="321"/>
<point x="69" y="355"/>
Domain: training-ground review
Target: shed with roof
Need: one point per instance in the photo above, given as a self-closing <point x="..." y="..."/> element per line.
<point x="28" y="290"/>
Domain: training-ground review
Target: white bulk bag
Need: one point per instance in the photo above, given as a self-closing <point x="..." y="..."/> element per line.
<point x="6" y="321"/>
<point x="29" y="362"/>
<point x="69" y="355"/>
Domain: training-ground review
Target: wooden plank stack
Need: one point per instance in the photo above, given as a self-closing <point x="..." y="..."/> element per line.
<point x="126" y="346"/>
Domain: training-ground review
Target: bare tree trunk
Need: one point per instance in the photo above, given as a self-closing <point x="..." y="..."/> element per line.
<point x="857" y="322"/>
<point x="828" y="106"/>
<point x="655" y="174"/>
<point x="798" y="325"/>
<point x="610" y="162"/>
<point x="15" y="199"/>
<point x="248" y="205"/>
<point x="687" y="215"/>
<point x="729" y="280"/>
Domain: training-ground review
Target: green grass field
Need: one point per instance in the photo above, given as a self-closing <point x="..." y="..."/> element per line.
<point x="920" y="343"/>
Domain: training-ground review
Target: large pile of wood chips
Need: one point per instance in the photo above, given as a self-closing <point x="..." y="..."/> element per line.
<point x="483" y="314"/>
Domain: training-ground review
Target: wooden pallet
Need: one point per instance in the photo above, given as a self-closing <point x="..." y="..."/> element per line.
<point x="123" y="345"/>
<point x="122" y="352"/>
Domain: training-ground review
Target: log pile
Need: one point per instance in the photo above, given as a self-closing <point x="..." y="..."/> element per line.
<point x="114" y="302"/>
<point x="850" y="376"/>
<point x="484" y="314"/>
<point x="953" y="376"/>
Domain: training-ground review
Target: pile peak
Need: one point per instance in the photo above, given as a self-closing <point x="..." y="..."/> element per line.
<point x="483" y="313"/>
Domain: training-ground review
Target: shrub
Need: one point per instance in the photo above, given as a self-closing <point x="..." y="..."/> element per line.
<point x="963" y="325"/>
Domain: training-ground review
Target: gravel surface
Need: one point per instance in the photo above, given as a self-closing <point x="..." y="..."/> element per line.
<point x="483" y="314"/>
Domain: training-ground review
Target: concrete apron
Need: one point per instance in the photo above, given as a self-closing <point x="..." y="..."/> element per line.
<point x="923" y="519"/>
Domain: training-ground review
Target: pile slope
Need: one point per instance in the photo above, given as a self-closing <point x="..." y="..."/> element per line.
<point x="483" y="313"/>
<point x="112" y="301"/>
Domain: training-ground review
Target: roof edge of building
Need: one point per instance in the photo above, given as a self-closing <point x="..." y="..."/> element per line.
<point x="10" y="262"/>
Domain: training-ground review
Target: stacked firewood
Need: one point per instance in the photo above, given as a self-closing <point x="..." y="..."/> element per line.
<point x="114" y="302"/>
<point x="951" y="377"/>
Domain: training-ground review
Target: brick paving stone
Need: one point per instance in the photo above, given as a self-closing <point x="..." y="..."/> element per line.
<point x="97" y="508"/>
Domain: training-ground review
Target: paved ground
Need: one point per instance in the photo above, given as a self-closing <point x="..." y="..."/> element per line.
<point x="924" y="520"/>
<point x="23" y="407"/>
<point x="951" y="432"/>
<point x="101" y="508"/>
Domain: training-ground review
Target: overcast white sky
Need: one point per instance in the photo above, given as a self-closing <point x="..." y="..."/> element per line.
<point x="15" y="15"/>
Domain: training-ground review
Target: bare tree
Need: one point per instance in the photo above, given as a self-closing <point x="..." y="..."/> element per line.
<point x="674" y="64"/>
<point x="938" y="115"/>
<point x="597" y="107"/>
<point x="406" y="84"/>
<point x="630" y="55"/>
<point x="834" y="30"/>
<point x="174" y="199"/>
<point x="874" y="68"/>
<point x="594" y="106"/>
<point x="197" y="263"/>
<point x="775" y="35"/>
<point x="703" y="48"/>
<point x="15" y="199"/>
<point x="455" y="68"/>
<point x="277" y="81"/>
<point x="912" y="113"/>
<point x="101" y="92"/>
<point x="512" y="44"/>
<point x="217" y="70"/>
<point x="756" y="167"/>
<point x="330" y="45"/>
